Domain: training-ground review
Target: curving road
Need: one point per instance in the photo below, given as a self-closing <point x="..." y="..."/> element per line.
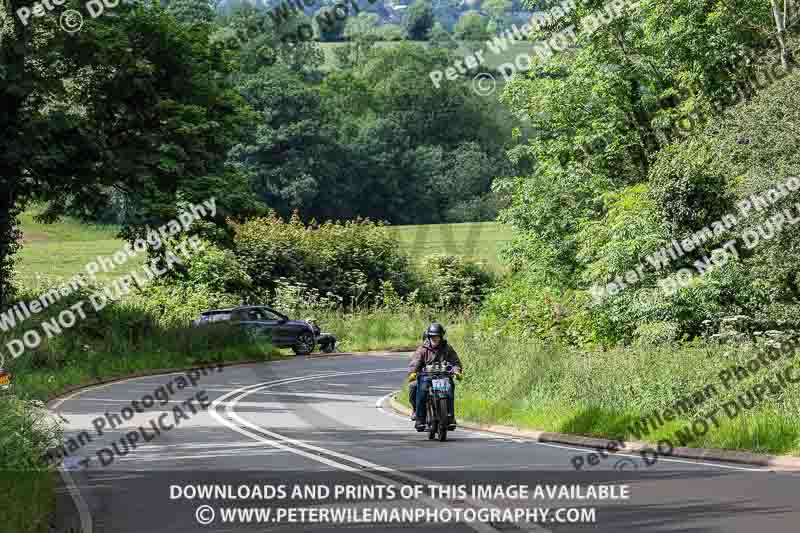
<point x="318" y="424"/>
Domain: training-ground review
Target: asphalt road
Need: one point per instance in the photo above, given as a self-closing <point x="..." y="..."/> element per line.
<point x="316" y="424"/>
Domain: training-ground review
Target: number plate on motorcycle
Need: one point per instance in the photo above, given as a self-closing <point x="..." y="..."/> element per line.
<point x="441" y="384"/>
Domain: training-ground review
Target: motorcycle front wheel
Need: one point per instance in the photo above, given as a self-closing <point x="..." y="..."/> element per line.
<point x="442" y="404"/>
<point x="431" y="421"/>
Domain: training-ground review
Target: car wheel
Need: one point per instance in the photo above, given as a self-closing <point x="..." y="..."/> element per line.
<point x="304" y="345"/>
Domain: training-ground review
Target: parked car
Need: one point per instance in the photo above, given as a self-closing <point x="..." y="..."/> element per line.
<point x="264" y="321"/>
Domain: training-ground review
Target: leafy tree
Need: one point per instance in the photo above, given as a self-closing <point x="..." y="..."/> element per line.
<point x="191" y="11"/>
<point x="133" y="102"/>
<point x="290" y="155"/>
<point x="418" y="20"/>
<point x="329" y="26"/>
<point x="498" y="10"/>
<point x="471" y="27"/>
<point x="441" y="37"/>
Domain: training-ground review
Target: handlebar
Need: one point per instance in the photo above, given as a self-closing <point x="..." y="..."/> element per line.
<point x="438" y="369"/>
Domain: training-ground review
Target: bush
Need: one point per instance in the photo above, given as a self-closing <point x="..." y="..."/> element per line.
<point x="350" y="260"/>
<point x="297" y="299"/>
<point x="453" y="283"/>
<point x="178" y="303"/>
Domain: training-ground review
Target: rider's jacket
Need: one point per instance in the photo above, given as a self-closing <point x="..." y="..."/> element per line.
<point x="427" y="354"/>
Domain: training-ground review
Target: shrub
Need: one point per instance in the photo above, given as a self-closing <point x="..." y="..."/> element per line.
<point x="350" y="259"/>
<point x="178" y="303"/>
<point x="453" y="283"/>
<point x="297" y="299"/>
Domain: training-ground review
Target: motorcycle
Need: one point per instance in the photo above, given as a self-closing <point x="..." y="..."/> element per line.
<point x="436" y="419"/>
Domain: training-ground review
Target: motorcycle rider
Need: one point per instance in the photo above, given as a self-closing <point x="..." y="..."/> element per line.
<point x="434" y="349"/>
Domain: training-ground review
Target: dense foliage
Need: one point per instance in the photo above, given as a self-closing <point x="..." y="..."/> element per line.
<point x="653" y="150"/>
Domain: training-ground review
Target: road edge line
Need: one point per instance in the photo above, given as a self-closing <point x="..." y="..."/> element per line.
<point x="777" y="462"/>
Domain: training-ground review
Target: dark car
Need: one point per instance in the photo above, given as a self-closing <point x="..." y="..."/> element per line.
<point x="259" y="320"/>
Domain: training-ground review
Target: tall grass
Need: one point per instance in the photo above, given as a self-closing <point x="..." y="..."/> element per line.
<point x="119" y="340"/>
<point x="601" y="394"/>
<point x="376" y="329"/>
<point x="27" y="488"/>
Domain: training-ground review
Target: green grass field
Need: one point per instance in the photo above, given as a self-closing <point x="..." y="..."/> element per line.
<point x="478" y="241"/>
<point x="61" y="250"/>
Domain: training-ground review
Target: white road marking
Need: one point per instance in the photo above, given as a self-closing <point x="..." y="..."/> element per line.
<point x="281" y="442"/>
<point x="87" y="523"/>
<point x="148" y="458"/>
<point x="80" y="503"/>
<point x="319" y="395"/>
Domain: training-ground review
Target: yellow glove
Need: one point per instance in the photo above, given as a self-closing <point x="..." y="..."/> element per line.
<point x="460" y="376"/>
<point x="412" y="377"/>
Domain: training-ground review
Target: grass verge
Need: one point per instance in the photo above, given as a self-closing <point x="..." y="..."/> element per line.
<point x="533" y="386"/>
<point x="28" y="500"/>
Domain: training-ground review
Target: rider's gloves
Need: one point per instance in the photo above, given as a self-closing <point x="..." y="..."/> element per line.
<point x="460" y="376"/>
<point x="412" y="377"/>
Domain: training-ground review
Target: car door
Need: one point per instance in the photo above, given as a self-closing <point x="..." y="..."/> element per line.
<point x="283" y="335"/>
<point x="255" y="320"/>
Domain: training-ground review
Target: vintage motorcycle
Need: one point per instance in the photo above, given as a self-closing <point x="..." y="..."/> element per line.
<point x="436" y="419"/>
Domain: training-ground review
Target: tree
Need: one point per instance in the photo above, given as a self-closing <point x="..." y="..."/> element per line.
<point x="498" y="10"/>
<point x="134" y="102"/>
<point x="329" y="26"/>
<point x="418" y="20"/>
<point x="441" y="37"/>
<point x="470" y="27"/>
<point x="781" y="16"/>
<point x="291" y="154"/>
<point x="192" y="11"/>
